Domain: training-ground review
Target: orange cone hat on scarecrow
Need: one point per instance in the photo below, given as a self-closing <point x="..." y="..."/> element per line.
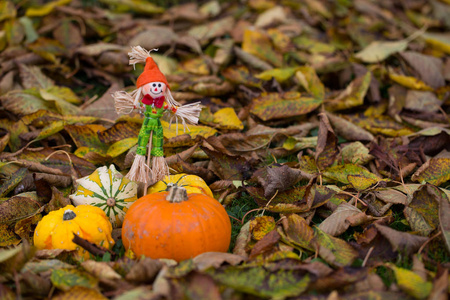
<point x="153" y="98"/>
<point x="151" y="73"/>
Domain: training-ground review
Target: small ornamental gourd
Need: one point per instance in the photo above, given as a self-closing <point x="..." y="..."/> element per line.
<point x="176" y="225"/>
<point x="56" y="230"/>
<point x="109" y="190"/>
<point x="192" y="183"/>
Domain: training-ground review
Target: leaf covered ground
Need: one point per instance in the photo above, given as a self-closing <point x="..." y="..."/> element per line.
<point x="324" y="133"/>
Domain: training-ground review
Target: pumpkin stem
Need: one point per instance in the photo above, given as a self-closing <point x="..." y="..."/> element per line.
<point x="111" y="202"/>
<point x="69" y="215"/>
<point x="176" y="194"/>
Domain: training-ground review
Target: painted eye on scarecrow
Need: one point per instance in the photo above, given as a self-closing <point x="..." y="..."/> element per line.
<point x="154" y="85"/>
<point x="159" y="84"/>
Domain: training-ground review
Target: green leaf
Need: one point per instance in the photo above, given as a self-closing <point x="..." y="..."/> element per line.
<point x="422" y="212"/>
<point x="276" y="106"/>
<point x="261" y="281"/>
<point x="9" y="184"/>
<point x="356" y="153"/>
<point x="30" y="32"/>
<point x="87" y="136"/>
<point x="334" y="251"/>
<point x="435" y="171"/>
<point x="280" y="75"/>
<point x="65" y="279"/>
<point x="23" y="102"/>
<point x="341" y="172"/>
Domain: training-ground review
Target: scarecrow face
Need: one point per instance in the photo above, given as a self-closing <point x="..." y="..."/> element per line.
<point x="155" y="89"/>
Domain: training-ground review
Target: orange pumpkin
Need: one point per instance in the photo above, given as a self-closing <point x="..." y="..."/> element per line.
<point x="176" y="225"/>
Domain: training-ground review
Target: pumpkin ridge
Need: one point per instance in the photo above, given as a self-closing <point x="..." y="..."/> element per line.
<point x="199" y="220"/>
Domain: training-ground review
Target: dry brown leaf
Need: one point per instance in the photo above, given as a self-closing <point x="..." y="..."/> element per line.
<point x="336" y="223"/>
<point x="401" y="241"/>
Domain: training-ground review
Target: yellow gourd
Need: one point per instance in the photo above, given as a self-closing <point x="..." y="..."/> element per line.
<point x="192" y="183"/>
<point x="56" y="230"/>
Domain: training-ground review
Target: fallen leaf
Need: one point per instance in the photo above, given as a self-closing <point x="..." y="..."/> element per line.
<point x="336" y="223"/>
<point x="261" y="282"/>
<point x="280" y="75"/>
<point x="428" y="67"/>
<point x="341" y="172"/>
<point x="100" y="270"/>
<point x="65" y="279"/>
<point x="260" y="226"/>
<point x="349" y="130"/>
<point x="356" y="153"/>
<point x="326" y="150"/>
<point x="276" y="106"/>
<point x="352" y="96"/>
<point x="378" y="51"/>
<point x="216" y="259"/>
<point x="80" y="292"/>
<point x="411" y="283"/>
<point x="226" y="118"/>
<point x="298" y="234"/>
<point x="334" y="251"/>
<point x="257" y="43"/>
<point x="401" y="241"/>
<point x="310" y="81"/>
<point x="435" y="171"/>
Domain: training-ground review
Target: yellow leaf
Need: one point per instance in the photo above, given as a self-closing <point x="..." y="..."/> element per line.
<point x="45" y="9"/>
<point x="121" y="146"/>
<point x="59" y="93"/>
<point x="260" y="226"/>
<point x="410" y="82"/>
<point x="411" y="283"/>
<point x="352" y="96"/>
<point x="259" y="44"/>
<point x="194" y="130"/>
<point x="226" y="118"/>
<point x="341" y="173"/>
<point x="276" y="106"/>
<point x="310" y="81"/>
<point x="361" y="182"/>
<point x="435" y="171"/>
<point x="438" y="41"/>
<point x="280" y="75"/>
<point x="80" y="292"/>
<point x="197" y="66"/>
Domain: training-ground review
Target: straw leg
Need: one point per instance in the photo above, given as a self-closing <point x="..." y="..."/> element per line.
<point x="149" y="157"/>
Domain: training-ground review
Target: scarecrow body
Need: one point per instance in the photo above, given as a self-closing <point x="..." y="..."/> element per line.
<point x="153" y="92"/>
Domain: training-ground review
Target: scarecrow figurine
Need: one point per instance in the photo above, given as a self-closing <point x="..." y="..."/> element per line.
<point x="153" y="97"/>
